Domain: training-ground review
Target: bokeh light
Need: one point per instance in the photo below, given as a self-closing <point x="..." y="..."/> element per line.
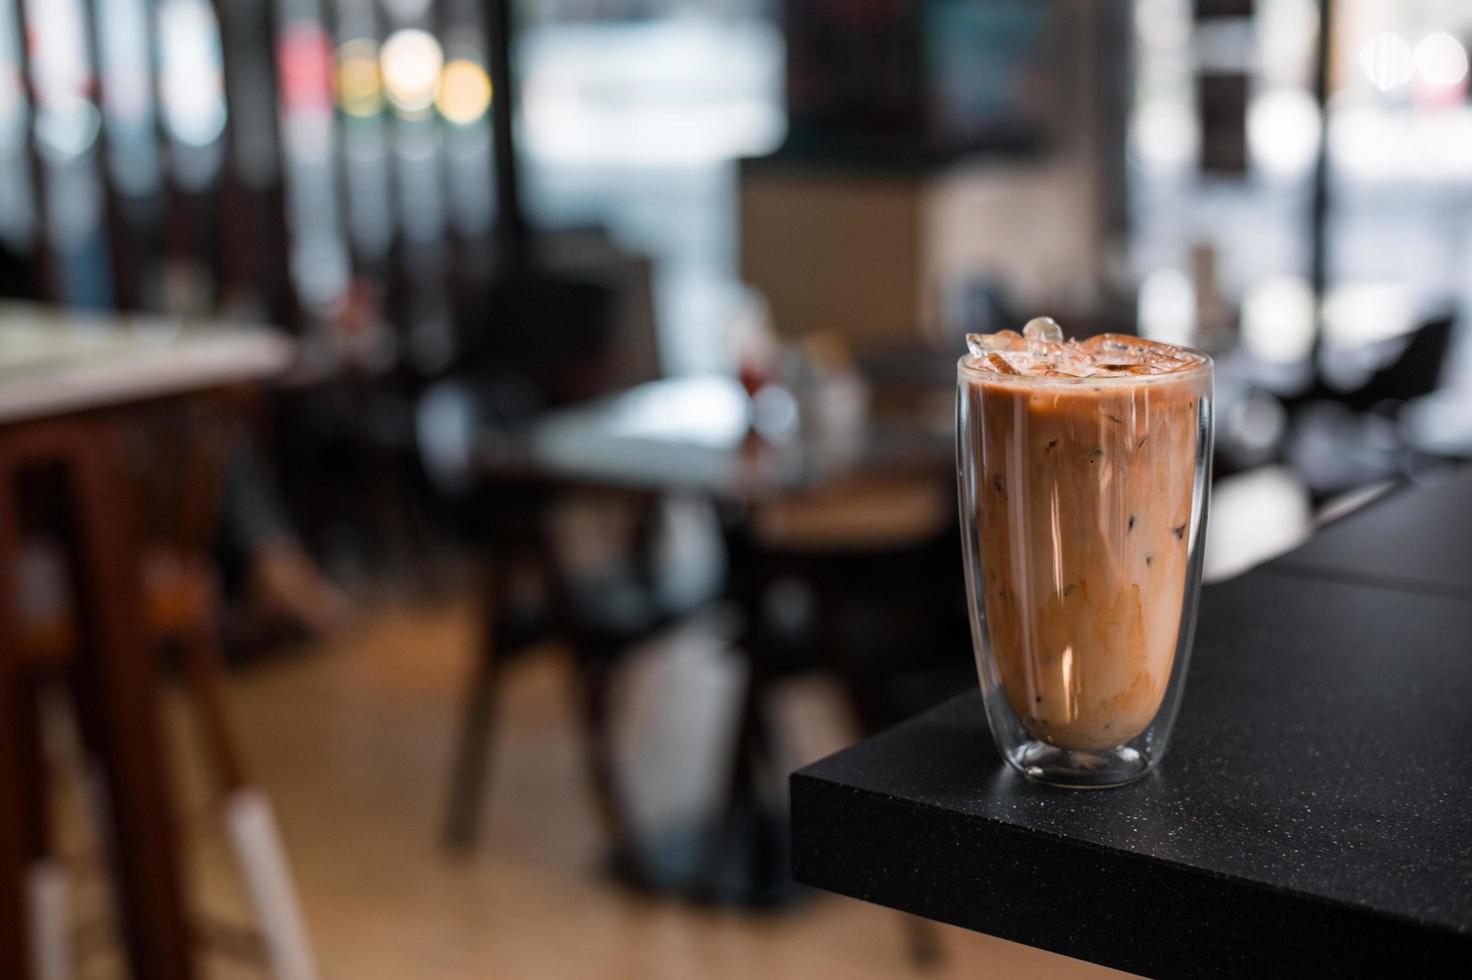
<point x="1283" y="131"/>
<point x="1163" y="24"/>
<point x="1367" y="312"/>
<point x="122" y="50"/>
<point x="1278" y="318"/>
<point x="1167" y="307"/>
<point x="56" y="36"/>
<point x="410" y="62"/>
<point x="1164" y="136"/>
<point x="191" y="82"/>
<point x="465" y="92"/>
<point x="1387" y="61"/>
<point x="304" y="55"/>
<point x="68" y="129"/>
<point x="359" y="84"/>
<point x="1440" y="60"/>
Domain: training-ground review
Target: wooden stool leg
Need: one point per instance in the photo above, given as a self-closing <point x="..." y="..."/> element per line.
<point x="249" y="820"/>
<point x="203" y="671"/>
<point x="15" y="951"/>
<point x="117" y="688"/>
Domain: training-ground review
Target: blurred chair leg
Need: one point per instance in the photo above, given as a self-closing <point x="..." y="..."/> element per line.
<point x="257" y="844"/>
<point x="15" y="956"/>
<point x="595" y="688"/>
<point x="472" y="751"/>
<point x="741" y="800"/>
<point x="47" y="881"/>
<point x="48" y="887"/>
<point x="249" y="821"/>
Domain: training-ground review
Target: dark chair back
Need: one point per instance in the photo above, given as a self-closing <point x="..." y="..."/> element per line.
<point x="1416" y="372"/>
<point x="546" y="333"/>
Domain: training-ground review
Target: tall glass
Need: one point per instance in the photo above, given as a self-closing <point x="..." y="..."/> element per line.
<point x="1083" y="508"/>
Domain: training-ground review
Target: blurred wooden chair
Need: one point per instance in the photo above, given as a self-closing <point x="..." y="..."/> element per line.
<point x="178" y="458"/>
<point x="880" y="561"/>
<point x="575" y="327"/>
<point x="597" y="615"/>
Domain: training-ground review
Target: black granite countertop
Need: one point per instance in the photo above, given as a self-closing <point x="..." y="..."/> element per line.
<point x="1313" y="816"/>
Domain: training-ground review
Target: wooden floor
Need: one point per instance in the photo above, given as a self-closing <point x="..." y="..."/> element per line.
<point x="352" y="741"/>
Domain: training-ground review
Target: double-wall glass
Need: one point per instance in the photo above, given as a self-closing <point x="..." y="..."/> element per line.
<point x="1083" y="509"/>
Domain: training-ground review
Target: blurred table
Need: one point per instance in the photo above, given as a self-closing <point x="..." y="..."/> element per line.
<point x="67" y="382"/>
<point x="55" y="362"/>
<point x="1311" y="818"/>
<point x="693" y="435"/>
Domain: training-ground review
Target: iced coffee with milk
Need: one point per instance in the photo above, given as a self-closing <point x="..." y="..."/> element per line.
<point x="1083" y="471"/>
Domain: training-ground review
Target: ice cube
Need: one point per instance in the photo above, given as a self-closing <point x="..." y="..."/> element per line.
<point x="1074" y="362"/>
<point x="1000" y="364"/>
<point x="1043" y="328"/>
<point x="982" y="343"/>
<point x="1043" y="352"/>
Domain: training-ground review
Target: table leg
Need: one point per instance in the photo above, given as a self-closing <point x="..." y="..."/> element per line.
<point x="117" y="684"/>
<point x="14" y="939"/>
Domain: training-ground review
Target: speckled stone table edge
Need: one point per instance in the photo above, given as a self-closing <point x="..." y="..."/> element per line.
<point x="1293" y="566"/>
<point x="1109" y="906"/>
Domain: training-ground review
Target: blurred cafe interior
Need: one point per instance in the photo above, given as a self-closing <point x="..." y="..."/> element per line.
<point x="458" y="457"/>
